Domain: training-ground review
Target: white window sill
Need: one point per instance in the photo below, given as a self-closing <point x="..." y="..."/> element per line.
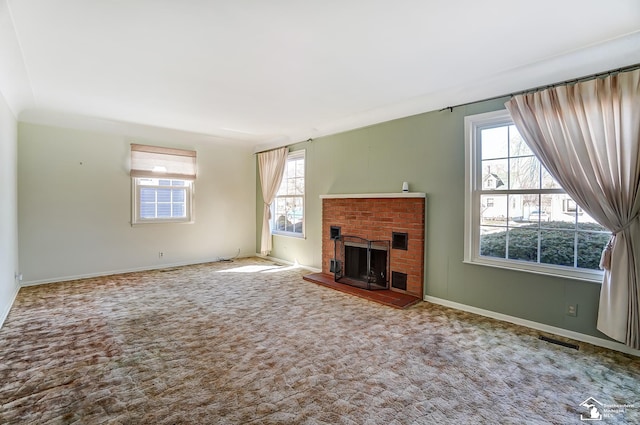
<point x="144" y="222"/>
<point x="289" y="234"/>
<point x="592" y="276"/>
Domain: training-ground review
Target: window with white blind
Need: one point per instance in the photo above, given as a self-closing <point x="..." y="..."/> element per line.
<point x="162" y="181"/>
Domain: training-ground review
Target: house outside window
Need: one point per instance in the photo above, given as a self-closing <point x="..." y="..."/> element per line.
<point x="288" y="207"/>
<point x="516" y="215"/>
<point x="162" y="184"/>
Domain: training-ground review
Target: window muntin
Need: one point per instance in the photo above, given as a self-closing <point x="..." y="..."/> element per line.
<point x="287" y="214"/>
<point x="517" y="215"/>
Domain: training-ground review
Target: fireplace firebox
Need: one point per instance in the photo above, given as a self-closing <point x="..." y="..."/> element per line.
<point x="360" y="262"/>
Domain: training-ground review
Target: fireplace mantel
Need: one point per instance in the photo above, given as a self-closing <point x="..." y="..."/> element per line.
<point x="374" y="195"/>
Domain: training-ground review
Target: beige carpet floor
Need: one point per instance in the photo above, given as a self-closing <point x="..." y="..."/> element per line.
<point x="250" y="342"/>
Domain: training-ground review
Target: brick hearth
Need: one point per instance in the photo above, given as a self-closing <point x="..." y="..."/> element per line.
<point x="377" y="217"/>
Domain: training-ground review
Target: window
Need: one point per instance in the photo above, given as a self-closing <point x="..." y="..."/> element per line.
<point x="163" y="199"/>
<point x="162" y="180"/>
<point x="517" y="215"/>
<point x="287" y="216"/>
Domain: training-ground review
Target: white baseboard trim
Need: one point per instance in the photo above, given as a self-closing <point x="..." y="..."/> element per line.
<point x="600" y="342"/>
<point x="121" y="271"/>
<point x="289" y="263"/>
<point x="5" y="313"/>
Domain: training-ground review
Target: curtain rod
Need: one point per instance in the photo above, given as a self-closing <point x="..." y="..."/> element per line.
<point x="278" y="147"/>
<point x="270" y="149"/>
<point x="548" y="86"/>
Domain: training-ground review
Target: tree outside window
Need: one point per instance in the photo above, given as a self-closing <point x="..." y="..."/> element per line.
<point x="287" y="215"/>
<point x="518" y="216"/>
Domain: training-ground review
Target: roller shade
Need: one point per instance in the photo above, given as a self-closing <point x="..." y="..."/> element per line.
<point x="154" y="162"/>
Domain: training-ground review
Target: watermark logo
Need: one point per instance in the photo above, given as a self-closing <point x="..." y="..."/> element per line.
<point x="594" y="410"/>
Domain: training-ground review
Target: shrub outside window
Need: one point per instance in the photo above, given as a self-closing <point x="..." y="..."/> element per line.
<point x="517" y="215"/>
<point x="287" y="209"/>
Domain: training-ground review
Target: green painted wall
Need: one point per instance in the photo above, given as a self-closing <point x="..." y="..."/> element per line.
<point x="427" y="151"/>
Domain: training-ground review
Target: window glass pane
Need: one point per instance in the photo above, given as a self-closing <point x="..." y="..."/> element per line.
<point x="524" y="173"/>
<point x="495" y="142"/>
<point x="590" y="246"/>
<point x="548" y="205"/>
<point x="147" y="195"/>
<point x="493" y="241"/>
<point x="299" y="189"/>
<point x="164" y="195"/>
<point x="494" y="210"/>
<point x="516" y="210"/>
<point x="147" y="210"/>
<point x="517" y="146"/>
<point x="296" y="214"/>
<point x="164" y="182"/>
<point x="555" y="213"/>
<point x="523" y="244"/>
<point x="178" y="210"/>
<point x="280" y="218"/>
<point x="300" y="168"/>
<point x="291" y="186"/>
<point x="494" y="174"/>
<point x="178" y="183"/>
<point x="178" y="195"/>
<point x="531" y="208"/>
<point x="288" y="226"/>
<point x="557" y="247"/>
<point x="164" y="210"/>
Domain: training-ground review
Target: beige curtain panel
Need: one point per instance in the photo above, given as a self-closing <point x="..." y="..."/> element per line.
<point x="155" y="161"/>
<point x="588" y="135"/>
<point x="271" y="165"/>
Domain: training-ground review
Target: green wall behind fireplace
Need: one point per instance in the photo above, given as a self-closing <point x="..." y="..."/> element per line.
<point x="427" y="150"/>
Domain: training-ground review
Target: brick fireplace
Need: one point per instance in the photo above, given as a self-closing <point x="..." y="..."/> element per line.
<point x="398" y="218"/>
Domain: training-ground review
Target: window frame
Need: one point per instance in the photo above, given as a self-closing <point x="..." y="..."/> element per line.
<point x="291" y="156"/>
<point x="136" y="187"/>
<point x="473" y="124"/>
<point x="161" y="163"/>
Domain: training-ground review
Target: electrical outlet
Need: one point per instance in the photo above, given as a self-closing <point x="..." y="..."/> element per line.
<point x="160" y="254"/>
<point x="572" y="310"/>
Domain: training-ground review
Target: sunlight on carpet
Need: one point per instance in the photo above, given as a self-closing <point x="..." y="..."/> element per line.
<point x="250" y="342"/>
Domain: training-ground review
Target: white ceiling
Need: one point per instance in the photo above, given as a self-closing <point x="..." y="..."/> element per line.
<point x="272" y="72"/>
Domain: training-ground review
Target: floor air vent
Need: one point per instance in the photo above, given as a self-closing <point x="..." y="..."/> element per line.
<point x="555" y="341"/>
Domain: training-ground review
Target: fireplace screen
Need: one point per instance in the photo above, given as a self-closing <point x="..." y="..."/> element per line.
<point x="361" y="262"/>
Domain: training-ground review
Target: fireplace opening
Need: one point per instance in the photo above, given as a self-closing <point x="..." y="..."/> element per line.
<point x="364" y="263"/>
